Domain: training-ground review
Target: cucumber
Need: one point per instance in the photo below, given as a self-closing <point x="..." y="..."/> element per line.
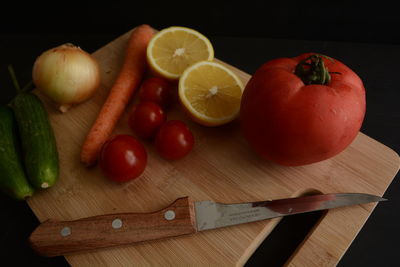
<point x="39" y="147"/>
<point x="13" y="180"/>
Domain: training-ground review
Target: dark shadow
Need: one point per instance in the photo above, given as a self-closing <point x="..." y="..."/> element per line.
<point x="283" y="241"/>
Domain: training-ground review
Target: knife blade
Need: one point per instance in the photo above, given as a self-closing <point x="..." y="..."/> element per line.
<point x="182" y="217"/>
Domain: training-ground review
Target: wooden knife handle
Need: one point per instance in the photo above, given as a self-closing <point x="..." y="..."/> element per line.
<point x="54" y="238"/>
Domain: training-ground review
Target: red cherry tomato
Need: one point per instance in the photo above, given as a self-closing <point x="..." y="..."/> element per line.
<point x="174" y="140"/>
<point x="123" y="158"/>
<point x="146" y="118"/>
<point x="156" y="89"/>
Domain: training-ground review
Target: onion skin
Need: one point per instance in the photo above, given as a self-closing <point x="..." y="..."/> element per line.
<point x="67" y="75"/>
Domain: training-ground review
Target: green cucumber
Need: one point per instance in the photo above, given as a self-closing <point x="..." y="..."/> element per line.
<point x="39" y="146"/>
<point x="13" y="180"/>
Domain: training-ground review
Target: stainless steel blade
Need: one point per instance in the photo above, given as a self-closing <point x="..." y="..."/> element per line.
<point x="210" y="214"/>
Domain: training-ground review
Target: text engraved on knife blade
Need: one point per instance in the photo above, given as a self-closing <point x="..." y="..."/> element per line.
<point x="244" y="215"/>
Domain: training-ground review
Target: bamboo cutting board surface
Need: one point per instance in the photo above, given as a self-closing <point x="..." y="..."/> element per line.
<point x="222" y="168"/>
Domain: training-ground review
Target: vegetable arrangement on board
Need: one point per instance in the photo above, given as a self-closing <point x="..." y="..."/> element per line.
<point x="293" y="111"/>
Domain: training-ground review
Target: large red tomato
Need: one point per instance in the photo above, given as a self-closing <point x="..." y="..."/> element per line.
<point x="301" y="110"/>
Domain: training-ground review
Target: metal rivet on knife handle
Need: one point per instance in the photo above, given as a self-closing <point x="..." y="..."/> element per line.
<point x="117" y="223"/>
<point x="169" y="215"/>
<point x="66" y="231"/>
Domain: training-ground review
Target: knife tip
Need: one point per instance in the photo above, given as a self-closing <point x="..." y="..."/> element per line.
<point x="375" y="198"/>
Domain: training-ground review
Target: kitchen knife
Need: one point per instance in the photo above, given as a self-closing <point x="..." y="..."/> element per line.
<point x="184" y="216"/>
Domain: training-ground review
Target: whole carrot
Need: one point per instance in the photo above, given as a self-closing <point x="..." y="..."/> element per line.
<point x="128" y="80"/>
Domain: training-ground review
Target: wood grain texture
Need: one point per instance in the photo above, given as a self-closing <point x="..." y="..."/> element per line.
<point x="56" y="238"/>
<point x="222" y="168"/>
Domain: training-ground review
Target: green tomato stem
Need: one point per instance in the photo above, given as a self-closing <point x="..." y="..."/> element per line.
<point x="312" y="70"/>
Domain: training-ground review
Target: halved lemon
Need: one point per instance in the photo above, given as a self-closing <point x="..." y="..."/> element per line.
<point x="210" y="93"/>
<point x="173" y="49"/>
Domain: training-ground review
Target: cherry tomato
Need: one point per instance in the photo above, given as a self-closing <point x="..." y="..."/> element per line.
<point x="123" y="158"/>
<point x="156" y="89"/>
<point x="146" y="118"/>
<point x="174" y="140"/>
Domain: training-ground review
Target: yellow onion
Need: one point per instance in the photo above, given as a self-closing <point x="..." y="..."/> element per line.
<point x="67" y="75"/>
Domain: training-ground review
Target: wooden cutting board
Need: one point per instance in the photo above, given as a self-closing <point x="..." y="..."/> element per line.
<point x="221" y="167"/>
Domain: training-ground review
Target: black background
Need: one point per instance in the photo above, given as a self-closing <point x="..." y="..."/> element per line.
<point x="363" y="35"/>
<point x="354" y="21"/>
